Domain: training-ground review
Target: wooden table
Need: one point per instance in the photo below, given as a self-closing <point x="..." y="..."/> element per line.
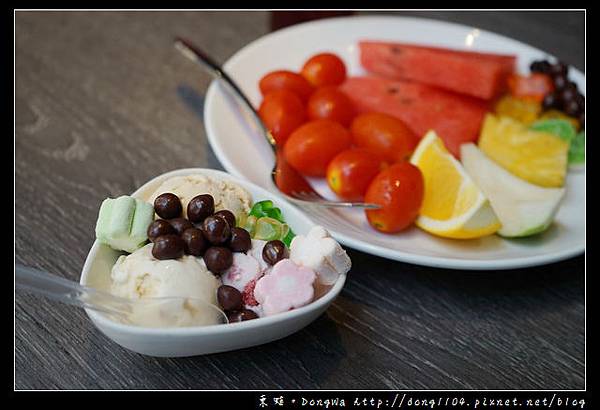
<point x="104" y="103"/>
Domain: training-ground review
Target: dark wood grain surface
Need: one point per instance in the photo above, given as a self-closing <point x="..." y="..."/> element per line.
<point x="103" y="103"/>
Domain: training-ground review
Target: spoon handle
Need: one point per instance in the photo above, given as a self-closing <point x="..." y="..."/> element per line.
<point x="197" y="55"/>
<point x="66" y="291"/>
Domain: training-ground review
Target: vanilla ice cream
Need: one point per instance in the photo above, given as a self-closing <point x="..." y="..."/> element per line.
<point x="227" y="194"/>
<point x="140" y="275"/>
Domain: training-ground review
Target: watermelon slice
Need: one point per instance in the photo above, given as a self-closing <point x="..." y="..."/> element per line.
<point x="480" y="75"/>
<point x="455" y="118"/>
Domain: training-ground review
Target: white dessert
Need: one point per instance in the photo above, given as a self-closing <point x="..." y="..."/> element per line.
<point x="320" y="252"/>
<point x="227" y="194"/>
<point x="243" y="270"/>
<point x="140" y="275"/>
<point x="256" y="253"/>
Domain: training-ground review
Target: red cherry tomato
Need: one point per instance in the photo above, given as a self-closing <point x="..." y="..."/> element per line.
<point x="535" y="86"/>
<point x="282" y="112"/>
<point x="313" y="145"/>
<point x="286" y="80"/>
<point x="398" y="189"/>
<point x="328" y="103"/>
<point x="385" y="135"/>
<point x="351" y="171"/>
<point x="324" y="69"/>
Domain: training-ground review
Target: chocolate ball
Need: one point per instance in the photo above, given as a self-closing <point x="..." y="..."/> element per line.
<point x="241" y="315"/>
<point x="568" y="94"/>
<point x="572" y="108"/>
<point x="551" y="100"/>
<point x="158" y="228"/>
<point x="540" y="66"/>
<point x="168" y="247"/>
<point x="194" y="242"/>
<point x="168" y="206"/>
<point x="228" y="216"/>
<point x="560" y="81"/>
<point x="180" y="225"/>
<point x="200" y="207"/>
<point x="274" y="251"/>
<point x="240" y="240"/>
<point x="216" y="230"/>
<point x="229" y="298"/>
<point x="559" y="68"/>
<point x="218" y="259"/>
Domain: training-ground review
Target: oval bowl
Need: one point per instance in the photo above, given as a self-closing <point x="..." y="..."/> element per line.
<point x="192" y="341"/>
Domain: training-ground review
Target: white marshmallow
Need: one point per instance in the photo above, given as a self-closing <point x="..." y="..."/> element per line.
<point x="320" y="252"/>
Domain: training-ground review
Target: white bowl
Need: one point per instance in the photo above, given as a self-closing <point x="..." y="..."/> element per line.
<point x="191" y="341"/>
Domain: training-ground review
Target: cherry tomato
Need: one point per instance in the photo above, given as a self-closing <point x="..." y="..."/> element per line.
<point x="384" y="134"/>
<point x="535" y="86"/>
<point x="351" y="171"/>
<point x="282" y="112"/>
<point x="398" y="189"/>
<point x="324" y="69"/>
<point x="329" y="103"/>
<point x="313" y="145"/>
<point x="286" y="80"/>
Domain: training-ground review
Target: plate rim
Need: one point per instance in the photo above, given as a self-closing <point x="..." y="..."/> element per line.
<point x="377" y="250"/>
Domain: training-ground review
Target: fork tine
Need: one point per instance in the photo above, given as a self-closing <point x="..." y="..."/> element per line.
<point x="307" y="195"/>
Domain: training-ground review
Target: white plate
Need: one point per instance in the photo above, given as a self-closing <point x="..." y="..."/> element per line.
<point x="244" y="153"/>
<point x="192" y="341"/>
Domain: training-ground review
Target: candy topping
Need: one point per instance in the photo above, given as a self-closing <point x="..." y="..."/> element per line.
<point x="288" y="286"/>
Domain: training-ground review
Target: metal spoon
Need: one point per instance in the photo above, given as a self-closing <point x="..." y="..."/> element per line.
<point x="147" y="312"/>
<point x="286" y="179"/>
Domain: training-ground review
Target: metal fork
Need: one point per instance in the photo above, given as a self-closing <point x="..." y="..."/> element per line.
<point x="287" y="180"/>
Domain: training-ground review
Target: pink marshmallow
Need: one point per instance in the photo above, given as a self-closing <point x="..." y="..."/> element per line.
<point x="288" y="286"/>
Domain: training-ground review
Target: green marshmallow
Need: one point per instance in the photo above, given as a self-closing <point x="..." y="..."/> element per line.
<point x="123" y="222"/>
<point x="104" y="220"/>
<point x="121" y="217"/>
<point x="142" y="218"/>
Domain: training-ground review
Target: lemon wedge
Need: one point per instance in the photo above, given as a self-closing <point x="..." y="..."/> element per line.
<point x="453" y="206"/>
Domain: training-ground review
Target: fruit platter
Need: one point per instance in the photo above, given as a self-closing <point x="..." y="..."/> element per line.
<point x="471" y="144"/>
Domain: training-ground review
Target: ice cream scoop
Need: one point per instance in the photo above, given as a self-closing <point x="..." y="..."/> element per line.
<point x="147" y="312"/>
<point x="226" y="194"/>
<point x="141" y="275"/>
